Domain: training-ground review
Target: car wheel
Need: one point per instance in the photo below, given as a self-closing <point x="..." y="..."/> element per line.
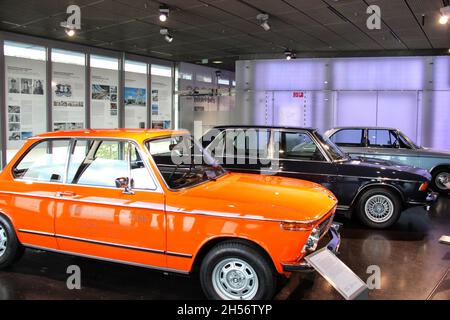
<point x="10" y="248"/>
<point x="237" y="271"/>
<point x="441" y="181"/>
<point x="378" y="208"/>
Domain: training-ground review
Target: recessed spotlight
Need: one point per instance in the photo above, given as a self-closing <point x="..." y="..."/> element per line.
<point x="163" y="13"/>
<point x="443" y="19"/>
<point x="263" y="19"/>
<point x="445" y="13"/>
<point x="217" y="61"/>
<point x="70" y="32"/>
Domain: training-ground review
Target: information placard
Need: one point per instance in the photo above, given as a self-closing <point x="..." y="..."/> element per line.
<point x="338" y="274"/>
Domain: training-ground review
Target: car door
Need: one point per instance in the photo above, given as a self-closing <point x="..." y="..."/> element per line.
<point x="297" y="154"/>
<point x="97" y="218"/>
<point x="351" y="141"/>
<point x="242" y="149"/>
<point x="37" y="177"/>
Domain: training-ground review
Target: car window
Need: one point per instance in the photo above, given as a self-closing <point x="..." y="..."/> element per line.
<point x="297" y="145"/>
<point x="242" y="143"/>
<point x="45" y="162"/>
<point x="349" y="138"/>
<point x="102" y="162"/>
<point x="381" y="138"/>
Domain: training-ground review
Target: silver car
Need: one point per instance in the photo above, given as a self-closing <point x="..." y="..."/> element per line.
<point x="391" y="144"/>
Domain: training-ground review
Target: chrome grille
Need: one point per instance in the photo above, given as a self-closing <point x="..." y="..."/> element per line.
<point x="325" y="225"/>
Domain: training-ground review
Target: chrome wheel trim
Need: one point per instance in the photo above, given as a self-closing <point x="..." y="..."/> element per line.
<point x="3" y="240"/>
<point x="442" y="180"/>
<point x="235" y="279"/>
<point x="379" y="208"/>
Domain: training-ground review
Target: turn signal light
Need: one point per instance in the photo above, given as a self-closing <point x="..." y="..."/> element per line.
<point x="423" y="186"/>
<point x="296" y="226"/>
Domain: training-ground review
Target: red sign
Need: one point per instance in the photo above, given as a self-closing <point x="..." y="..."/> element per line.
<point x="298" y="94"/>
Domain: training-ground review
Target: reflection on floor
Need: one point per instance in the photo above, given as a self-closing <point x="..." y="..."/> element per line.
<point x="414" y="265"/>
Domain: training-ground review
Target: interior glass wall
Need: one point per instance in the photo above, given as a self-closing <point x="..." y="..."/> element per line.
<point x="162" y="92"/>
<point x="104" y="93"/>
<point x="135" y="94"/>
<point x="68" y="90"/>
<point x="25" y="68"/>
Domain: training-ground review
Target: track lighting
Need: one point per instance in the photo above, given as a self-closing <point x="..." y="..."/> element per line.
<point x="163" y="13"/>
<point x="289" y="54"/>
<point x="167" y="36"/>
<point x="263" y="19"/>
<point x="445" y="14"/>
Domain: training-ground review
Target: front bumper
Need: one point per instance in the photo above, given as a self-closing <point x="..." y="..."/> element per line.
<point x="427" y="202"/>
<point x="333" y="246"/>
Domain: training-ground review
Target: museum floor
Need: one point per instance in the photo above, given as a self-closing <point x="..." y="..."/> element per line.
<point x="411" y="259"/>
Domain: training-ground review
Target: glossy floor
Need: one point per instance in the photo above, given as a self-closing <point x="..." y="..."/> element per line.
<point x="413" y="265"/>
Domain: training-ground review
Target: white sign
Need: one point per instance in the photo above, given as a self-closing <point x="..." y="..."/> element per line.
<point x="337" y="273"/>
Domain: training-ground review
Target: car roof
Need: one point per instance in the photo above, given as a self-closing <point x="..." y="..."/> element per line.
<point x="262" y="127"/>
<point x="364" y="127"/>
<point x="132" y="134"/>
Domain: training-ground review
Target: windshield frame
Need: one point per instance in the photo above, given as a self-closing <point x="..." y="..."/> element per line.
<point x="328" y="145"/>
<point x="205" y="153"/>
<point x="408" y="140"/>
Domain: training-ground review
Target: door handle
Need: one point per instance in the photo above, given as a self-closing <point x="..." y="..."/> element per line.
<point x="66" y="194"/>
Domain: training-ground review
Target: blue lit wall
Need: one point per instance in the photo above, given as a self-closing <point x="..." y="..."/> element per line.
<point x="411" y="93"/>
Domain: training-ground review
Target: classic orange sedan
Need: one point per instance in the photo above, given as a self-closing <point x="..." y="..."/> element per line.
<point x="142" y="197"/>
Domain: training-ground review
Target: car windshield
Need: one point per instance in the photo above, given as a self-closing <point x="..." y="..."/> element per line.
<point x="407" y="140"/>
<point x="183" y="162"/>
<point x="333" y="150"/>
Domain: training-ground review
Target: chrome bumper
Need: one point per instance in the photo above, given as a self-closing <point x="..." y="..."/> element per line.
<point x="333" y="246"/>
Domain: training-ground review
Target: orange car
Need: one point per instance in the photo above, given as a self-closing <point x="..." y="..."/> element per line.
<point x="126" y="196"/>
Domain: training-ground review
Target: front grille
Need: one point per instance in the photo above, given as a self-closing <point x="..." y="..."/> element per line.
<point x="325" y="225"/>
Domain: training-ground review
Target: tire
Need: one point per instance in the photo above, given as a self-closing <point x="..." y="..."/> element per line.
<point x="237" y="271"/>
<point x="378" y="208"/>
<point x="436" y="184"/>
<point x="10" y="248"/>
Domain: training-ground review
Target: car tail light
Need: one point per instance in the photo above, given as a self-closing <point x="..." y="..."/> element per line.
<point x="423" y="186"/>
<point x="296" y="226"/>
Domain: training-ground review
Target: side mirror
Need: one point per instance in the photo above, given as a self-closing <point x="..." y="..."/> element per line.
<point x="124" y="183"/>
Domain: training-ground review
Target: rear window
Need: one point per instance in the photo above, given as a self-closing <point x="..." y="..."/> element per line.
<point x="349" y="138"/>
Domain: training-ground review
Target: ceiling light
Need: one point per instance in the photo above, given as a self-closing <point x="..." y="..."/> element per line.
<point x="289" y="54"/>
<point x="167" y="36"/>
<point x="217" y="61"/>
<point x="163" y="13"/>
<point x="263" y="19"/>
<point x="445" y="14"/>
<point x="70" y="32"/>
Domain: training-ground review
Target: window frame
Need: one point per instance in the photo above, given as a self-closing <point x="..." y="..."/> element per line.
<point x="363" y="143"/>
<point x="71" y="140"/>
<point x="307" y="133"/>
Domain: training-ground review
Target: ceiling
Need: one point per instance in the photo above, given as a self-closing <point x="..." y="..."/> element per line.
<point x="227" y="29"/>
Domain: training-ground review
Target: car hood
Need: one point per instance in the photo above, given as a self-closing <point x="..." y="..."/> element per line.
<point x="256" y="197"/>
<point x="390" y="169"/>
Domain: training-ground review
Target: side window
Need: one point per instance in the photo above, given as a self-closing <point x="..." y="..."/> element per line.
<point x="349" y="138"/>
<point x="298" y="145"/>
<point x="101" y="162"/>
<point x="381" y="139"/>
<point x="44" y="162"/>
<point x="244" y="143"/>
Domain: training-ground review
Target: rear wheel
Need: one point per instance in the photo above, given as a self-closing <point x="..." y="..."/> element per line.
<point x="378" y="208"/>
<point x="236" y="271"/>
<point x="10" y="248"/>
<point x="441" y="181"/>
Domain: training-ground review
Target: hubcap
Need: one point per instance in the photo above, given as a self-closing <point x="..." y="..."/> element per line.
<point x="235" y="279"/>
<point x="3" y="241"/>
<point x="442" y="180"/>
<point x="379" y="208"/>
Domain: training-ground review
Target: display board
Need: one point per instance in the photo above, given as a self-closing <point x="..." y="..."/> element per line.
<point x="104" y="106"/>
<point x="68" y="96"/>
<point x="161" y="104"/>
<point x="25" y="101"/>
<point x="135" y="97"/>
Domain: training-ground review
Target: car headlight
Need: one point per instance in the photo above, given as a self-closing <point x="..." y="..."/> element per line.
<point x="312" y="241"/>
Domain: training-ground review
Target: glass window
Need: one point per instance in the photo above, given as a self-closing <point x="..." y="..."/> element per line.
<point x="26" y="80"/>
<point x="135" y="95"/>
<point x="252" y="143"/>
<point x="104" y="83"/>
<point x="349" y="138"/>
<point x="102" y="162"/>
<point x="161" y="104"/>
<point x="44" y="162"/>
<point x="298" y="145"/>
<point x="381" y="139"/>
<point x="68" y="90"/>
